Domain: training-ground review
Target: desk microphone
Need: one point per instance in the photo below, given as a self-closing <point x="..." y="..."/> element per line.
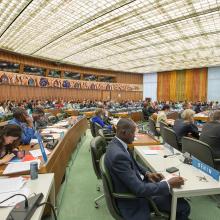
<point x="18" y="194"/>
<point x="169" y="155"/>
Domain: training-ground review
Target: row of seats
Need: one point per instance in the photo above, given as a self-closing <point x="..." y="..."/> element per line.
<point x="97" y="130"/>
<point x="54" y="119"/>
<point x="6" y="117"/>
<point x="196" y="148"/>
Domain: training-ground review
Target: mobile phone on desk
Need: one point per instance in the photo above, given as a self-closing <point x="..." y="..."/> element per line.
<point x="172" y="170"/>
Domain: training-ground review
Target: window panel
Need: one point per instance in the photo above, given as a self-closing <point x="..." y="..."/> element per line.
<point x="9" y="66"/>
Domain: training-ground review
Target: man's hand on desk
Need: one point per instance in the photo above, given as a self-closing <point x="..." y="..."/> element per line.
<point x="154" y="177"/>
<point x="176" y="182"/>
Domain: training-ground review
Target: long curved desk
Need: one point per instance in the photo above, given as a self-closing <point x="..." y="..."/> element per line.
<point x="60" y="155"/>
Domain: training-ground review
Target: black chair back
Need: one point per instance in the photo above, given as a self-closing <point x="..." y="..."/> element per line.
<point x="198" y="149"/>
<point x="97" y="128"/>
<point x="108" y="190"/>
<point x="98" y="147"/>
<point x="169" y="137"/>
<point x="92" y="127"/>
<point x="162" y="126"/>
<point x="152" y="127"/>
<point x="52" y="119"/>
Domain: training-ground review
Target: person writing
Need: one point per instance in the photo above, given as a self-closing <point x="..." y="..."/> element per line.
<point x="130" y="177"/>
<point x="22" y="119"/>
<point x="9" y="137"/>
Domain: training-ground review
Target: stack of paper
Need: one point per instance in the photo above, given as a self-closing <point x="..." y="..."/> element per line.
<point x="11" y="184"/>
<point x="53" y="130"/>
<point x="149" y="152"/>
<point x="37" y="153"/>
<point x="10" y="187"/>
<point x="14" y="200"/>
<point x="19" y="167"/>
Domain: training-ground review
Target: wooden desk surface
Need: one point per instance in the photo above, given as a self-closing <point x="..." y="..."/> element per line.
<point x="72" y="112"/>
<point x="201" y="118"/>
<point x="144" y="139"/>
<point x="53" y="111"/>
<point x="122" y="114"/>
<point x="60" y="155"/>
<point x="3" y="123"/>
<point x="89" y="114"/>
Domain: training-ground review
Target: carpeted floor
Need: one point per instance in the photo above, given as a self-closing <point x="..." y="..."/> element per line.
<point x="79" y="193"/>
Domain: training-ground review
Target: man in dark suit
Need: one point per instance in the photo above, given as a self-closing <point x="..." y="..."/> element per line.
<point x="211" y="134"/>
<point x="130" y="177"/>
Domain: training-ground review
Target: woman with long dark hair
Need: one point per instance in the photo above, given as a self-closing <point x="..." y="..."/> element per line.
<point x="9" y="137"/>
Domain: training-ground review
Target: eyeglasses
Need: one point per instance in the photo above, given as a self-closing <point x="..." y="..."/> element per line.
<point x="202" y="178"/>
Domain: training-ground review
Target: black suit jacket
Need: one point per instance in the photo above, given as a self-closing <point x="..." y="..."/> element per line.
<point x="125" y="174"/>
<point x="182" y="128"/>
<point x="211" y="135"/>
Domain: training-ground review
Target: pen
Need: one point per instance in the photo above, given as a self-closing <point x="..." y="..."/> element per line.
<point x="179" y="173"/>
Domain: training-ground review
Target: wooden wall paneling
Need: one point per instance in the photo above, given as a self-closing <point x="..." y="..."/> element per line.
<point x="28" y="93"/>
<point x="121" y="77"/>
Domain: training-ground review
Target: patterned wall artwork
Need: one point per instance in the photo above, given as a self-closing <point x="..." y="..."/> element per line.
<point x="180" y="85"/>
<point x="39" y="81"/>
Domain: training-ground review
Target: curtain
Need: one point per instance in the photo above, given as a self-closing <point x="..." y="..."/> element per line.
<point x="180" y="85"/>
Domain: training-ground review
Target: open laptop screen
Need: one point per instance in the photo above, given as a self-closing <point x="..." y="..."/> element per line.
<point x="40" y="142"/>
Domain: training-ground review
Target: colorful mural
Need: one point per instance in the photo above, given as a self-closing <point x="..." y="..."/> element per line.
<point x="39" y="81"/>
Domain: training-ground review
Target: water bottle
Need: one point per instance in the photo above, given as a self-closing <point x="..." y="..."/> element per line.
<point x="34" y="170"/>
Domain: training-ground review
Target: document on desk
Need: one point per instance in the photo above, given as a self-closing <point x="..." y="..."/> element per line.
<point x="33" y="141"/>
<point x="19" y="167"/>
<point x="53" y="130"/>
<point x="37" y="152"/>
<point x="11" y="184"/>
<point x="149" y="152"/>
<point x="14" y="200"/>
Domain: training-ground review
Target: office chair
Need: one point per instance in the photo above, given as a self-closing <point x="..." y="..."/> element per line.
<point x="169" y="137"/>
<point x="152" y="127"/>
<point x="92" y="127"/>
<point x="198" y="149"/>
<point x="111" y="196"/>
<point x="98" y="127"/>
<point x="59" y="116"/>
<point x="106" y="135"/>
<point x="203" y="152"/>
<point x="52" y="119"/>
<point x="97" y="148"/>
<point x="162" y="126"/>
<point x="173" y="115"/>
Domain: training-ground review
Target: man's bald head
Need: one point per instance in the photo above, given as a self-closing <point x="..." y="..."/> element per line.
<point x="126" y="130"/>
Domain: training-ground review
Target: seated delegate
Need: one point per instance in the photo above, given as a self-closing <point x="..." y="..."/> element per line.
<point x="98" y="119"/>
<point x="10" y="136"/>
<point x="186" y="126"/>
<point x="22" y="119"/>
<point x="39" y="118"/>
<point x="211" y="134"/>
<point x="130" y="177"/>
<point x="162" y="116"/>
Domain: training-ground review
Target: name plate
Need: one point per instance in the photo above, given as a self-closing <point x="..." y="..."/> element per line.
<point x="205" y="168"/>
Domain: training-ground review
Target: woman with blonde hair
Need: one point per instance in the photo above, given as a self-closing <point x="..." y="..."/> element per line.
<point x="186" y="126"/>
